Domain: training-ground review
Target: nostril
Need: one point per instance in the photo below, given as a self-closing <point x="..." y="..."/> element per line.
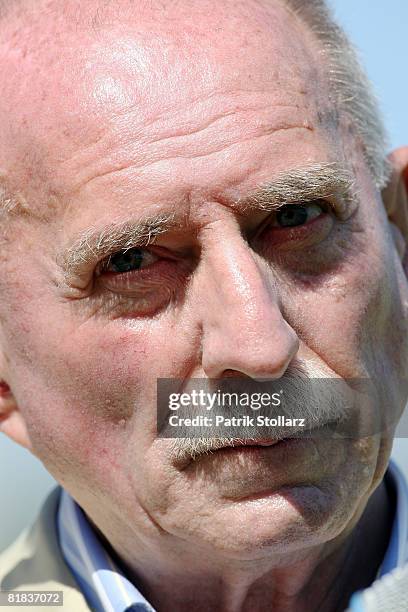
<point x="4" y="388"/>
<point x="229" y="373"/>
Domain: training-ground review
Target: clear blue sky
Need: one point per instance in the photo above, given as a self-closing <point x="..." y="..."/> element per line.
<point x="379" y="28"/>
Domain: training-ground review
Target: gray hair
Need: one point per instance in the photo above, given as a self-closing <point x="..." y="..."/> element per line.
<point x="350" y="89"/>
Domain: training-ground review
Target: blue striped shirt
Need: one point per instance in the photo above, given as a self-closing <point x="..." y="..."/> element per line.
<point x="101" y="581"/>
<point x="107" y="589"/>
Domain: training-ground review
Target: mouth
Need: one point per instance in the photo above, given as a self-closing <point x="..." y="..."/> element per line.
<point x="248" y="464"/>
<point x="246" y="470"/>
<point x="192" y="451"/>
<point x="252" y="445"/>
<point x="188" y="451"/>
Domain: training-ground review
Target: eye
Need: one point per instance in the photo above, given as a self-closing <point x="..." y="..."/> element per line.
<point x="293" y="215"/>
<point x="129" y="261"/>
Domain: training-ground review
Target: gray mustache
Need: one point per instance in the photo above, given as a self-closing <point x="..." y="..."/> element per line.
<point x="331" y="407"/>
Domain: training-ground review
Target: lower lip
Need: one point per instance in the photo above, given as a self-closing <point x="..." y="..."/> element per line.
<point x="252" y="472"/>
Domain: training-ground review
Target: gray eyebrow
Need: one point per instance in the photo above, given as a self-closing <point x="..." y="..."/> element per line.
<point x="94" y="244"/>
<point x="302" y="184"/>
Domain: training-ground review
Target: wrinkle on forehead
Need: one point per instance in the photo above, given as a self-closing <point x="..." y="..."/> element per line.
<point x="56" y="59"/>
<point x="67" y="85"/>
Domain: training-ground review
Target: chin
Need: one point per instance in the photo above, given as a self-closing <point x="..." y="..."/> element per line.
<point x="278" y="524"/>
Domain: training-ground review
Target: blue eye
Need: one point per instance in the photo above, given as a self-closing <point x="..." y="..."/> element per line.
<point x="126" y="261"/>
<point x="293" y="215"/>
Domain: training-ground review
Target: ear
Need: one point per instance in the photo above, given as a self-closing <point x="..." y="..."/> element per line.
<point x="12" y="422"/>
<point x="395" y="197"/>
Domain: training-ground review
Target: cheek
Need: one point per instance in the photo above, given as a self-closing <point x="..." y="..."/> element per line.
<point x="82" y="390"/>
<point x="87" y="388"/>
<point x="346" y="317"/>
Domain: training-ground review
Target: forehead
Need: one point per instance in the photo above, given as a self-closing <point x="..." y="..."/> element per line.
<point x="107" y="83"/>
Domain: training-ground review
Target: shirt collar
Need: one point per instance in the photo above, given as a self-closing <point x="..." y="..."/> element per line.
<point x="100" y="579"/>
<point x="107" y="589"/>
<point x="397" y="551"/>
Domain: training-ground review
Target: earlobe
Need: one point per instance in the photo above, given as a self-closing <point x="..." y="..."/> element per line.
<point x="12" y="422"/>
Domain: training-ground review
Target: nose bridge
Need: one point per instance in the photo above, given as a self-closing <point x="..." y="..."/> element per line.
<point x="241" y="286"/>
<point x="241" y="318"/>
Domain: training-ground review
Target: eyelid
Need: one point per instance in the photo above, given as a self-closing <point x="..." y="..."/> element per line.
<point x="161" y="252"/>
<point x="103" y="264"/>
<point x="323" y="202"/>
<point x="335" y="204"/>
<point x="322" y="205"/>
<point x="327" y="205"/>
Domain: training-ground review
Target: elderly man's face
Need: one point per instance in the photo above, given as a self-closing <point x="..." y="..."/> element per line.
<point x="182" y="114"/>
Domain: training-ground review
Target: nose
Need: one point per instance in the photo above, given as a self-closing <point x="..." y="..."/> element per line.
<point x="242" y="324"/>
